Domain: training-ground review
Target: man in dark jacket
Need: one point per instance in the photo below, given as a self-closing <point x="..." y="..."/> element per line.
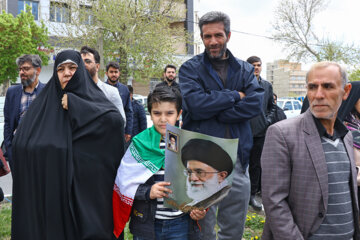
<point x="113" y="74"/>
<point x="19" y="97"/>
<point x="169" y="77"/>
<point x="280" y="115"/>
<point x="139" y="116"/>
<point x="220" y="96"/>
<point x="259" y="124"/>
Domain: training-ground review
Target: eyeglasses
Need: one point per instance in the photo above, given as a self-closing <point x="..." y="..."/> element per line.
<point x="199" y="173"/>
<point x="25" y="69"/>
<point x="88" y="61"/>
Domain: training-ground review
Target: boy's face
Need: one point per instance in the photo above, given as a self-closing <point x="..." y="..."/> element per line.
<point x="162" y="113"/>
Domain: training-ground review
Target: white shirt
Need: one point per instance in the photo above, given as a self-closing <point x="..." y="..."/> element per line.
<point x="113" y="95"/>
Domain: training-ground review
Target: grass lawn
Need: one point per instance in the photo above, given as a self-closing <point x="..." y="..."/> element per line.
<point x="253" y="227"/>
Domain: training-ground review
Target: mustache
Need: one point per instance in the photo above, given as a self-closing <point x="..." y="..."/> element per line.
<point x="316" y="102"/>
<point x="196" y="183"/>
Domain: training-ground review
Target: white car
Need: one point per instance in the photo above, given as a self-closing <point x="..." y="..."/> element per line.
<point x="142" y="99"/>
<point x="291" y="107"/>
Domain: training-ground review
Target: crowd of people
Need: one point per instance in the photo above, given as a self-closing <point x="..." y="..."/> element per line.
<point x="84" y="162"/>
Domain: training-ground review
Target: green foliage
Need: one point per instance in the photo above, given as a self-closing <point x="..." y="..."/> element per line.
<point x="140" y="34"/>
<point x="20" y="35"/>
<point x="5" y="221"/>
<point x="355" y="75"/>
<point x="253" y="226"/>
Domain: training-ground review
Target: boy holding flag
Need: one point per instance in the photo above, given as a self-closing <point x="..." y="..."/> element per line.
<point x="139" y="185"/>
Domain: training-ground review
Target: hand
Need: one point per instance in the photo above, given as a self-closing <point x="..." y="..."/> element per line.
<point x="242" y="95"/>
<point x="64" y="102"/>
<point x="127" y="137"/>
<point x="159" y="190"/>
<point x="197" y="214"/>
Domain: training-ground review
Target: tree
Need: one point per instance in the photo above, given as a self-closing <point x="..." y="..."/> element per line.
<point x="294" y="28"/>
<point x="20" y="35"/>
<point x="354" y="75"/>
<point x="139" y="34"/>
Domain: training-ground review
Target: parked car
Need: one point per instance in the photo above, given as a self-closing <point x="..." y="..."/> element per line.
<point x="291" y="107"/>
<point x="142" y="99"/>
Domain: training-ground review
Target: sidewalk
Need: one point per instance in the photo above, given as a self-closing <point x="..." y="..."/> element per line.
<point x="6" y="184"/>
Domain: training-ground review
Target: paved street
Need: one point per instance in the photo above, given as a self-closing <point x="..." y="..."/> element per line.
<point x="6" y="184"/>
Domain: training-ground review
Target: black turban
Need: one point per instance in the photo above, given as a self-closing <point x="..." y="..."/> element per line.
<point x="207" y="152"/>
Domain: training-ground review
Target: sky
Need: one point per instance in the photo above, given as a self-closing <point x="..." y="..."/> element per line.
<point x="340" y="21"/>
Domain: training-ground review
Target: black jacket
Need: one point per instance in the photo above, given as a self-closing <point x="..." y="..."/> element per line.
<point x="143" y="214"/>
<point x="139" y="118"/>
<point x="261" y="122"/>
<point x="173" y="85"/>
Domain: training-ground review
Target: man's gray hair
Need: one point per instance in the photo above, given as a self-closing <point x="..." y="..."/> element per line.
<point x="342" y="70"/>
<point x="34" y="59"/>
<point x="214" y="17"/>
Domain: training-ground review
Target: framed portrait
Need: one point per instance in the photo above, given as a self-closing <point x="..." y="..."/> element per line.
<point x="199" y="168"/>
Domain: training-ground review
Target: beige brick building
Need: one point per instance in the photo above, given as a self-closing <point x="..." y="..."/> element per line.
<point x="287" y="78"/>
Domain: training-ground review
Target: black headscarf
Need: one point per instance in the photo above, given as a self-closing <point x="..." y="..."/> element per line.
<point x="65" y="162"/>
<point x="346" y="106"/>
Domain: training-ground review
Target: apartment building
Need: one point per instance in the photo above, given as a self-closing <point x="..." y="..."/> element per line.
<point x="287" y="78"/>
<point x="57" y="13"/>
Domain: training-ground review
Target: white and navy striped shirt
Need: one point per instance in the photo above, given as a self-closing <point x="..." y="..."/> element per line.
<point x="338" y="222"/>
<point x="161" y="211"/>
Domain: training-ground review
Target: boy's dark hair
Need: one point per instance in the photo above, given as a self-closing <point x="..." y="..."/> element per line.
<point x="164" y="94"/>
<point x="87" y="49"/>
<point x="113" y="65"/>
<point x="169" y="66"/>
<point x="131" y="89"/>
<point x="253" y="59"/>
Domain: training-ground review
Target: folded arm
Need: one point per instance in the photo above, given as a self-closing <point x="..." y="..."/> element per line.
<point x="204" y="103"/>
<point x="248" y="107"/>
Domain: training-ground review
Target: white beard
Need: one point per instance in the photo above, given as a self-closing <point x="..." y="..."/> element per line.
<point x="208" y="188"/>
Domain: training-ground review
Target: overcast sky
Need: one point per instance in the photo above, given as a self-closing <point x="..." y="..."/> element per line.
<point x="340" y="21"/>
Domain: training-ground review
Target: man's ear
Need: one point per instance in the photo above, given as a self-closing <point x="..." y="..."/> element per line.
<point x="38" y="70"/>
<point x="222" y="175"/>
<point x="347" y="90"/>
<point x="228" y="37"/>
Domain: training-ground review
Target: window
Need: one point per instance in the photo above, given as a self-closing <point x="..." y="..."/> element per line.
<point x="297" y="105"/>
<point x="288" y="106"/>
<point x="34" y="8"/>
<point x="86" y="15"/>
<point x="59" y="12"/>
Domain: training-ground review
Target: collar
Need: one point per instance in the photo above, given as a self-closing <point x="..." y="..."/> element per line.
<point x="232" y="60"/>
<point x="35" y="89"/>
<point x="339" y="129"/>
<point x="110" y="83"/>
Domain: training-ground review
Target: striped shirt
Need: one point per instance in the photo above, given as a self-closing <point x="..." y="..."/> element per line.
<point x="161" y="211"/>
<point x="339" y="219"/>
<point x="26" y="100"/>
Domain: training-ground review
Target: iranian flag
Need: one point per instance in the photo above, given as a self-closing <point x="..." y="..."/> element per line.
<point x="142" y="159"/>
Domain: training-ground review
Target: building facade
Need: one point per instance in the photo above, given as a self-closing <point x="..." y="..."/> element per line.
<point x="287" y="78"/>
<point x="56" y="13"/>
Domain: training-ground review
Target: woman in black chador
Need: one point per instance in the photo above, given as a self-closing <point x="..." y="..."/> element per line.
<point x="65" y="161"/>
